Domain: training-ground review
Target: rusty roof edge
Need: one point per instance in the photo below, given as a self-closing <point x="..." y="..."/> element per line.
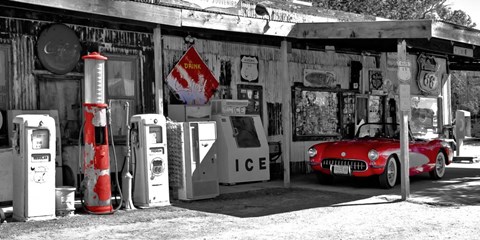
<point x="173" y="16"/>
<point x="456" y="33"/>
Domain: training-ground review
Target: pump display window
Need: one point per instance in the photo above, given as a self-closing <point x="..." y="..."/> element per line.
<point x="244" y="132"/>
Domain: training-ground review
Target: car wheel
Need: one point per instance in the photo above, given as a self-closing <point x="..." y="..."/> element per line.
<point x="389" y="176"/>
<point x="324" y="178"/>
<point x="439" y="169"/>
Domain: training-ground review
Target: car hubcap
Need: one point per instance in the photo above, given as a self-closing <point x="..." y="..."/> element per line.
<point x="392" y="172"/>
<point x="440" y="165"/>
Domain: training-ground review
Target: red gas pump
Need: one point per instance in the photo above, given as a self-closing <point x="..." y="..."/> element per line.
<point x="96" y="165"/>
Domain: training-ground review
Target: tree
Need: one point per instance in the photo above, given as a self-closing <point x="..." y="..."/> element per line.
<point x="401" y="9"/>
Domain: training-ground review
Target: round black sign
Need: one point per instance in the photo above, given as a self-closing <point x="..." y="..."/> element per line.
<point x="58" y="48"/>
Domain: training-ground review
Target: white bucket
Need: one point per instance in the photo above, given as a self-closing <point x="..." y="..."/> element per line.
<point x="64" y="201"/>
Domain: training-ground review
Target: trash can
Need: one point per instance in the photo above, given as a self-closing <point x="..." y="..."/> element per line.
<point x="64" y="201"/>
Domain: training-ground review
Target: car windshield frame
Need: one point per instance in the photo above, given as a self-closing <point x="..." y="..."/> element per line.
<point x="379" y="130"/>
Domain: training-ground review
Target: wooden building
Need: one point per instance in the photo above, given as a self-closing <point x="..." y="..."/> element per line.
<point x="319" y="71"/>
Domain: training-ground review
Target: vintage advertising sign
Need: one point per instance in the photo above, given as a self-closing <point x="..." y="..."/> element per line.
<point x="58" y="48"/>
<point x="192" y="80"/>
<point x="319" y="78"/>
<point x="376" y="79"/>
<point x="249" y="69"/>
<point x="404" y="73"/>
<point x="428" y="82"/>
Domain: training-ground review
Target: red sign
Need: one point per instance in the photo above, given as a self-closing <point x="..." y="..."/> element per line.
<point x="191" y="79"/>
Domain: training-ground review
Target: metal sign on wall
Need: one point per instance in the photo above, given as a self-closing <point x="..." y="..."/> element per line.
<point x="428" y="81"/>
<point x="192" y="80"/>
<point x="249" y="69"/>
<point x="58" y="48"/>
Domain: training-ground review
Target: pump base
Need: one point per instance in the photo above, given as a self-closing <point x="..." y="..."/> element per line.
<point x="100" y="209"/>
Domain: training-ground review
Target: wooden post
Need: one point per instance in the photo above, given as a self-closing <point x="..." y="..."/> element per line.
<point x="157" y="51"/>
<point x="286" y="114"/>
<point x="404" y="77"/>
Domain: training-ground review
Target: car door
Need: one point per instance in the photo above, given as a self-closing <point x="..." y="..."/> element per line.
<point x="419" y="151"/>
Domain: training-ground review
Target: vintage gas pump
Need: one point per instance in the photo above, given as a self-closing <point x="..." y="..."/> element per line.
<point x="33" y="167"/>
<point x="96" y="165"/>
<point x="150" y="174"/>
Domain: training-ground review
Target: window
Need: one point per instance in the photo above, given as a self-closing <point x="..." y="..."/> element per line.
<point x="244" y="132"/>
<point x="424" y="115"/>
<point x="63" y="94"/>
<point x="122" y="90"/>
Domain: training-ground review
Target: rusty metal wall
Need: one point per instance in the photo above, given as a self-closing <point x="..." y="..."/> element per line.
<point x="21" y="35"/>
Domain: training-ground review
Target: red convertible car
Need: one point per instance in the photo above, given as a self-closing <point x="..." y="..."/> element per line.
<point x="375" y="151"/>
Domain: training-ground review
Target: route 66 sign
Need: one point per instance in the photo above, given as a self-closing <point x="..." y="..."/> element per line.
<point x="249" y="68"/>
<point x="428" y="81"/>
<point x="404" y="74"/>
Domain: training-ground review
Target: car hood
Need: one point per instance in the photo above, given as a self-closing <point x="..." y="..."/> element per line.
<point x="357" y="148"/>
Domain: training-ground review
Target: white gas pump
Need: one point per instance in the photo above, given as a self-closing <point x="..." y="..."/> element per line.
<point x="192" y="147"/>
<point x="150" y="166"/>
<point x="33" y="145"/>
<point x="243" y="154"/>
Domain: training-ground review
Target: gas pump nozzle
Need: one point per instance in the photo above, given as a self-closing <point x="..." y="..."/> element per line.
<point x="126" y="175"/>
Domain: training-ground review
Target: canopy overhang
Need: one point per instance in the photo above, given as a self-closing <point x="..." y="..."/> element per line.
<point x="461" y="45"/>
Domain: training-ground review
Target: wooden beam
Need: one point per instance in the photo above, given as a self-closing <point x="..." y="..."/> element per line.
<point x="223" y="22"/>
<point x="363" y="30"/>
<point x="456" y="33"/>
<point x="404" y="78"/>
<point x="286" y="114"/>
<point x="157" y="52"/>
<point x="121" y="9"/>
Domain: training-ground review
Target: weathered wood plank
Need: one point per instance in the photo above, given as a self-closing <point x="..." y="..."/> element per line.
<point x="122" y="9"/>
<point x="364" y="30"/>
<point x="232" y="23"/>
<point x="456" y="33"/>
<point x="157" y="38"/>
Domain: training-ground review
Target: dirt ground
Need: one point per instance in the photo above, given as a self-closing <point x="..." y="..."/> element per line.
<point x="272" y="213"/>
<point x="275" y="213"/>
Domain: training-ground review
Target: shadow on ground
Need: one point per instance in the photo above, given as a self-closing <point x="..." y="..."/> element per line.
<point x="266" y="202"/>
<point x="459" y="186"/>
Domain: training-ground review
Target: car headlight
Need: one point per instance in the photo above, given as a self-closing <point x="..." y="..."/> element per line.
<point x="312" y="152"/>
<point x="373" y="155"/>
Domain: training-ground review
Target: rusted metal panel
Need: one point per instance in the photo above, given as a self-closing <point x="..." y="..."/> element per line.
<point x="23" y="82"/>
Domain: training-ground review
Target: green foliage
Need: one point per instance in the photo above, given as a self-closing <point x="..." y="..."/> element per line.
<point x="401" y="9"/>
<point x="466" y="91"/>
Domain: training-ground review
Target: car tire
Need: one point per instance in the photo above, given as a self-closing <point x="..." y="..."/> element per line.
<point x="324" y="178"/>
<point x="439" y="170"/>
<point x="389" y="177"/>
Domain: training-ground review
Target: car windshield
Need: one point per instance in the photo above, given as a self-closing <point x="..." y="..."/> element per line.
<point x="379" y="130"/>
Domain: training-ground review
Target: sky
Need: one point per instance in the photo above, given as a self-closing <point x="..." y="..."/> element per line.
<point x="471" y="7"/>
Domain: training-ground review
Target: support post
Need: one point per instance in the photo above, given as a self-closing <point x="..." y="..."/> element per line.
<point x="404" y="77"/>
<point x="286" y="114"/>
<point x="157" y="51"/>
